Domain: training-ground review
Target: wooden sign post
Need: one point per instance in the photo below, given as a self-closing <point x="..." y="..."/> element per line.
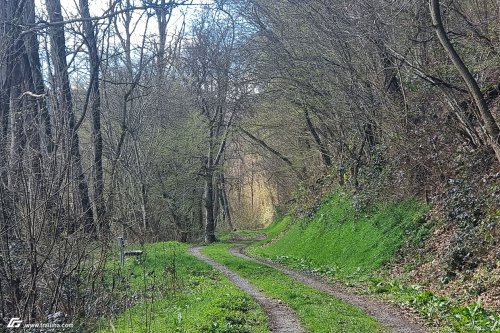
<point x="121" y="246"/>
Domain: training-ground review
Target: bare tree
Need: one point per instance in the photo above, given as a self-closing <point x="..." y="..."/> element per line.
<point x="62" y="90"/>
<point x="492" y="129"/>
<point x="94" y="99"/>
<point x="211" y="57"/>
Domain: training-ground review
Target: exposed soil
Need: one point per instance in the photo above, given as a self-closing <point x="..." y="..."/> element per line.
<point x="389" y="315"/>
<point x="281" y="318"/>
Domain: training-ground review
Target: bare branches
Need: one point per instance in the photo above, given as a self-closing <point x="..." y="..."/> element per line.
<point x="112" y="12"/>
<point x="490" y="123"/>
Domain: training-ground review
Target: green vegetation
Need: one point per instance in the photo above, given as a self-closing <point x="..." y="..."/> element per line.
<point x="241" y="235"/>
<point x="343" y="241"/>
<point x="274" y="230"/>
<point x="317" y="311"/>
<point x="460" y="318"/>
<point x="175" y="292"/>
<point x="169" y="290"/>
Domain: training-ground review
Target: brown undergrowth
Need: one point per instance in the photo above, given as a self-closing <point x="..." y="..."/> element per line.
<point x="460" y="257"/>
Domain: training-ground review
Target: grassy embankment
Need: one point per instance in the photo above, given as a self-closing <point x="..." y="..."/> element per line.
<point x="175" y="292"/>
<point x="316" y="310"/>
<point x="352" y="246"/>
<point x="340" y="241"/>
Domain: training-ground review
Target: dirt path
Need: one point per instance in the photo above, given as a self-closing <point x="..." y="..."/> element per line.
<point x="281" y="318"/>
<point x="388" y="315"/>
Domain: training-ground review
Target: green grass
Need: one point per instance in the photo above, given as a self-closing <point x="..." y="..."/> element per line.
<point x="318" y="311"/>
<point x="438" y="309"/>
<point x="175" y="292"/>
<point x="342" y="241"/>
<point x="273" y="230"/>
<point x="240" y="234"/>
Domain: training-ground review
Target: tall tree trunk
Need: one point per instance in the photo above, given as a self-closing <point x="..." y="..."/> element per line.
<point x="6" y="209"/>
<point x="492" y="129"/>
<point x="224" y="201"/>
<point x="18" y="138"/>
<point x="95" y="102"/>
<point x="144" y="189"/>
<point x="208" y="199"/>
<point x="23" y="168"/>
<point x="63" y="89"/>
<point x="32" y="50"/>
<point x="34" y="100"/>
<point x="208" y="195"/>
<point x="38" y="120"/>
<point x="162" y="17"/>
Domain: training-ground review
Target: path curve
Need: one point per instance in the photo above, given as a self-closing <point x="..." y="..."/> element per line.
<point x="281" y="318"/>
<point x="386" y="314"/>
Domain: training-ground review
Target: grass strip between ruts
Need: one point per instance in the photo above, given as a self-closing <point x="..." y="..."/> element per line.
<point x="316" y="310"/>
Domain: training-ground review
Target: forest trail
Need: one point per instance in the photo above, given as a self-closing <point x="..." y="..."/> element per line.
<point x="388" y="315"/>
<point x="281" y="318"/>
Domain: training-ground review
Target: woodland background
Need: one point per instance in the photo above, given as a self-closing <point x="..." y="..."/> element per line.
<point x="127" y="118"/>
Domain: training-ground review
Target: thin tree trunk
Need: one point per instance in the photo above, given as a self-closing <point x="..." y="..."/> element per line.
<point x="162" y="17"/>
<point x="325" y="156"/>
<point x="95" y="102"/>
<point x="492" y="129"/>
<point x="144" y="189"/>
<point x="208" y="196"/>
<point x="218" y="214"/>
<point x="225" y="201"/>
<point x="208" y="199"/>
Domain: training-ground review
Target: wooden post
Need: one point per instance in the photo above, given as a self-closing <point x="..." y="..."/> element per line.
<point x="121" y="246"/>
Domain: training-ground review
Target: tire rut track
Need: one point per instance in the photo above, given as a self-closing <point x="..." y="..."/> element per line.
<point x="281" y="318"/>
<point x="386" y="314"/>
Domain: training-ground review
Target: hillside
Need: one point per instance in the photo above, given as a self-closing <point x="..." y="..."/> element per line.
<point x="346" y="242"/>
<point x="386" y="249"/>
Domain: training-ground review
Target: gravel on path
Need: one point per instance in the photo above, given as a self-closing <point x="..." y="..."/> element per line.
<point x="389" y="315"/>
<point x="281" y="318"/>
